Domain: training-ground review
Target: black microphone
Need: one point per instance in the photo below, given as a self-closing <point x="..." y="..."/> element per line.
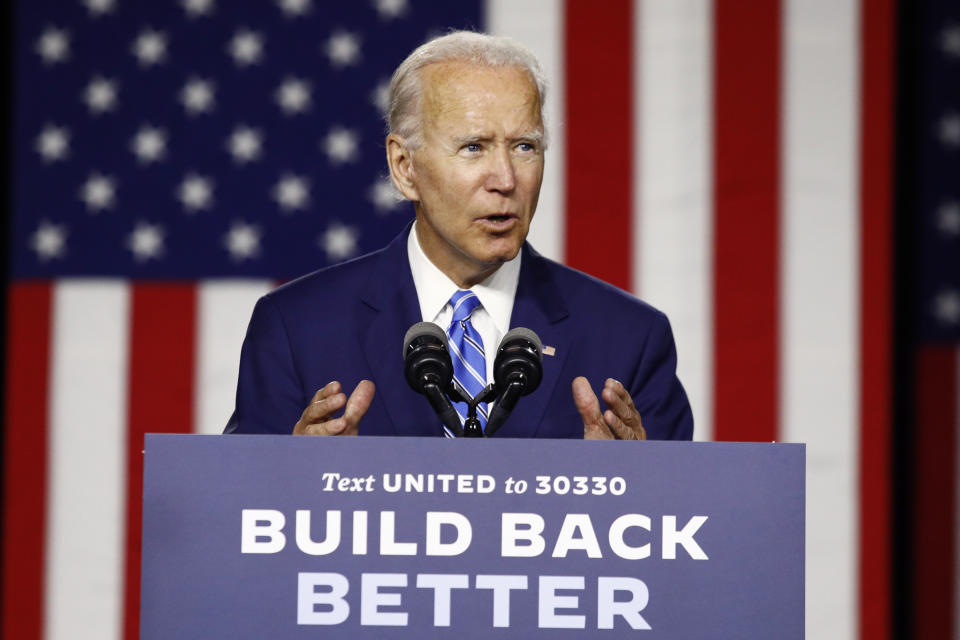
<point x="517" y="371"/>
<point x="429" y="370"/>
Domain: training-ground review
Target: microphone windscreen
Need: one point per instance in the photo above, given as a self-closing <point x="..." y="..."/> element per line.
<point x="524" y="334"/>
<point x="423" y="329"/>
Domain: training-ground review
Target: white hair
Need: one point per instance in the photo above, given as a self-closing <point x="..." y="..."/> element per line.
<point x="404" y="116"/>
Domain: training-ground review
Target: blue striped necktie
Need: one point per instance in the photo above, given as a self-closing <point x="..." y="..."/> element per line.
<point x="466" y="351"/>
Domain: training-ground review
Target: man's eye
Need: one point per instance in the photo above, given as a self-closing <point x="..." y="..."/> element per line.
<point x="526" y="147"/>
<point x="473" y="147"/>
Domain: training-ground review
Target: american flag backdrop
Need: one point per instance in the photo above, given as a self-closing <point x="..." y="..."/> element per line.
<point x="932" y="228"/>
<point x="730" y="162"/>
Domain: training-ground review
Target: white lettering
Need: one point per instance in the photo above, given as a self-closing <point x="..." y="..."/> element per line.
<point x="501" y="586"/>
<point x="371" y="599"/>
<point x="442" y="584"/>
<point x="388" y="539"/>
<point x="262" y="523"/>
<point x="608" y="606"/>
<point x="619" y="527"/>
<point x="684" y="537"/>
<point x="511" y="534"/>
<point x="549" y="602"/>
<point x="308" y="598"/>
<point x="567" y="540"/>
<point x="359" y="533"/>
<point x="332" y="529"/>
<point x="434" y="543"/>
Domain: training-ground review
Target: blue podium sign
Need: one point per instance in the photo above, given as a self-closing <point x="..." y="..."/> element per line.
<point x="288" y="537"/>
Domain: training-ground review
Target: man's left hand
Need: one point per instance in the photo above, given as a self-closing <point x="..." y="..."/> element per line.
<point x="620" y="421"/>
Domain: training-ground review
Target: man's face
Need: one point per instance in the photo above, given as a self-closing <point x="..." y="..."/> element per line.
<point x="476" y="178"/>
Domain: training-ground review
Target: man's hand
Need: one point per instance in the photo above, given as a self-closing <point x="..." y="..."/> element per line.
<point x="317" y="419"/>
<point x="620" y="421"/>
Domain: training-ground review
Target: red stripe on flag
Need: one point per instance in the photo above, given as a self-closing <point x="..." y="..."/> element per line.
<point x="934" y="492"/>
<point x="599" y="144"/>
<point x="162" y="349"/>
<point x="746" y="168"/>
<point x="876" y="315"/>
<point x="25" y="464"/>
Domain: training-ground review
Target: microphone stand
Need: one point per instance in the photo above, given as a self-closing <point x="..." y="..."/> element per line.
<point x="471" y="426"/>
<point x="508" y="400"/>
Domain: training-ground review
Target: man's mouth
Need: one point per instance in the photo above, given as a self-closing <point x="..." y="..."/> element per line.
<point x="500" y="218"/>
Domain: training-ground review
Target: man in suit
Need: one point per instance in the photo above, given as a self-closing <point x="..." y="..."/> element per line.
<point x="466" y="146"/>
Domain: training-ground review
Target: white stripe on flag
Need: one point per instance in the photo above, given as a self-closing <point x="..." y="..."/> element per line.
<point x="223" y="311"/>
<point x="539" y="25"/>
<point x="820" y="294"/>
<point x="673" y="200"/>
<point x="87" y="470"/>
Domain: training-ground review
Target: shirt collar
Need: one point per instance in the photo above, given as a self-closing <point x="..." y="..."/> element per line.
<point x="434" y="288"/>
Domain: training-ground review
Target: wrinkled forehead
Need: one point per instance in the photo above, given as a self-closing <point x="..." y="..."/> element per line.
<point x="470" y="90"/>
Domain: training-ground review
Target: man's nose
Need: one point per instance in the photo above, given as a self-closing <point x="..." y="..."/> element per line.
<point x="502" y="176"/>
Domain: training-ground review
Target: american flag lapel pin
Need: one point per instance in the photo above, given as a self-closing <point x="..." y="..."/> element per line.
<point x="549" y="351"/>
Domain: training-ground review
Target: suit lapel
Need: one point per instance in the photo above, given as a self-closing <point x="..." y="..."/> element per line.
<point x="538" y="306"/>
<point x="392" y="299"/>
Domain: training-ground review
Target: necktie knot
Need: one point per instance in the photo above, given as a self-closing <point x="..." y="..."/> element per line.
<point x="464" y="303"/>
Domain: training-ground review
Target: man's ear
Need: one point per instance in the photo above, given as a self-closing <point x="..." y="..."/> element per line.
<point x="400" y="161"/>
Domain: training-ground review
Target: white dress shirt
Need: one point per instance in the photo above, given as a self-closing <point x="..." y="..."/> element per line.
<point x="496" y="294"/>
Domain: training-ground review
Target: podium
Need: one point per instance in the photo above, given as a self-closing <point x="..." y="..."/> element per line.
<point x="287" y="537"/>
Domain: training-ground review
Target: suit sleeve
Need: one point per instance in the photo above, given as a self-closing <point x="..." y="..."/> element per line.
<point x="656" y="390"/>
<point x="270" y="396"/>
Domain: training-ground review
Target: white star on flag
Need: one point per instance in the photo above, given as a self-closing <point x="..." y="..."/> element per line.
<point x="245" y="144"/>
<point x="292" y="192"/>
<point x="54" y="45"/>
<point x="950" y="130"/>
<point x="341" y="146"/>
<point x="49" y="241"/>
<point x="195" y="192"/>
<point x="246" y="48"/>
<point x="146" y="241"/>
<point x="950" y="40"/>
<point x="100" y="95"/>
<point x="293" y="96"/>
<point x="53" y="143"/>
<point x="384" y="196"/>
<point x="339" y="242"/>
<point x="948" y="218"/>
<point x="197" y="8"/>
<point x="150" y="47"/>
<point x="389" y="9"/>
<point x="343" y="49"/>
<point x="99" y="7"/>
<point x="98" y="192"/>
<point x="197" y="96"/>
<point x="242" y="241"/>
<point x="294" y="8"/>
<point x="149" y="145"/>
<point x="380" y="96"/>
<point x="946" y="307"/>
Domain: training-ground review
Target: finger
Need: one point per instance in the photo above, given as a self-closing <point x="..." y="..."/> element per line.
<point x="617" y="398"/>
<point x="588" y="406"/>
<point x="325" y="402"/>
<point x="323" y="409"/>
<point x="330" y="389"/>
<point x="621" y="415"/>
<point x="358" y="404"/>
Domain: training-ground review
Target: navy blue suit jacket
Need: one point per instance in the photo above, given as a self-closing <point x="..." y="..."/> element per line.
<point x="347" y="323"/>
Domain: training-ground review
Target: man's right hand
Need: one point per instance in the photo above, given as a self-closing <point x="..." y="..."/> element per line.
<point x="317" y="419"/>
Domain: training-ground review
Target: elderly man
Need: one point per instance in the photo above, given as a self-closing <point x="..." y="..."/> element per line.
<point x="466" y="146"/>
